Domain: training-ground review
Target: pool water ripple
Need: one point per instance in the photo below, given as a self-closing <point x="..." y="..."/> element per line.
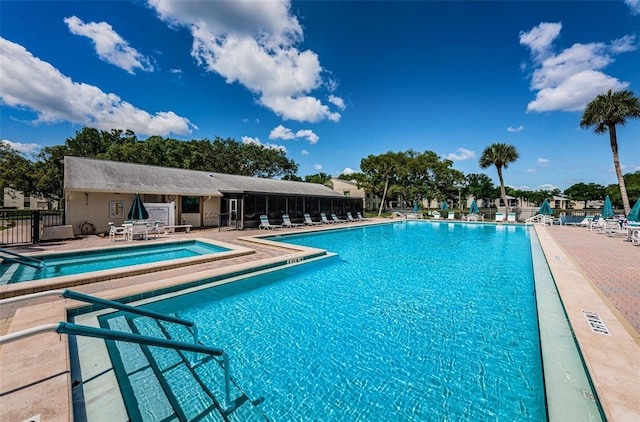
<point x="408" y="322"/>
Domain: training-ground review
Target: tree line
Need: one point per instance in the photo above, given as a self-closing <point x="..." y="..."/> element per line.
<point x="406" y="177"/>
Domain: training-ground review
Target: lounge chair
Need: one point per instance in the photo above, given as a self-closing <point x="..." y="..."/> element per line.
<point x="435" y="215"/>
<point x="266" y="225"/>
<point x="634" y="236"/>
<point x="499" y="217"/>
<point x="451" y="215"/>
<point x="511" y="217"/>
<point x="325" y="220"/>
<point x="115" y="231"/>
<point x="336" y="219"/>
<point x="350" y="217"/>
<point x="586" y="222"/>
<point x="309" y="222"/>
<point x="360" y="217"/>
<point x="286" y="222"/>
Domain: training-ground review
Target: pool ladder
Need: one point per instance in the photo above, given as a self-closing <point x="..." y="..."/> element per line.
<point x="82" y="330"/>
<point x="22" y="259"/>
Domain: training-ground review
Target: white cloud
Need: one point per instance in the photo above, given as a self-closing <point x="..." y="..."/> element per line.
<point x="568" y="80"/>
<point x="317" y="166"/>
<point x="304" y="152"/>
<point x="31" y="83"/>
<point x="542" y="162"/>
<point x="461" y="154"/>
<point x="256" y="141"/>
<point x="337" y="101"/>
<point x="547" y="186"/>
<point x="515" y="129"/>
<point x="311" y="137"/>
<point x="109" y="45"/>
<point x="23" y="148"/>
<point x="254" y="44"/>
<point x="281" y="132"/>
<point x="634" y="5"/>
<point x="348" y="170"/>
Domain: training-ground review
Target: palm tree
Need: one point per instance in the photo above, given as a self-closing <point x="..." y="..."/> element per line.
<point x="499" y="155"/>
<point x="604" y="113"/>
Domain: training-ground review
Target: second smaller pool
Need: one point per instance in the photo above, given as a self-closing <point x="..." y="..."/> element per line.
<point x="80" y="262"/>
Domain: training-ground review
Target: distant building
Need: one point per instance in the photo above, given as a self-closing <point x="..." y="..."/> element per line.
<point x="350" y="189"/>
<point x="18" y="200"/>
<point x="98" y="192"/>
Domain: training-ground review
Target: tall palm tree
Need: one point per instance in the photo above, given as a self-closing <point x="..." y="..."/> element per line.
<point x="499" y="155"/>
<point x="604" y="113"/>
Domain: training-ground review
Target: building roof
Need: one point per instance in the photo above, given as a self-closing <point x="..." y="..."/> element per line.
<point x="90" y="175"/>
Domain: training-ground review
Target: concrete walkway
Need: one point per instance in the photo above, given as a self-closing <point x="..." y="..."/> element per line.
<point x="35" y="377"/>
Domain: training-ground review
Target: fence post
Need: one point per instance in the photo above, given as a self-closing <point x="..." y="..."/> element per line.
<point x="35" y="226"/>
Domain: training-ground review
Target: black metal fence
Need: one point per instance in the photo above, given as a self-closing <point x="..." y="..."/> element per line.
<point x="25" y="226"/>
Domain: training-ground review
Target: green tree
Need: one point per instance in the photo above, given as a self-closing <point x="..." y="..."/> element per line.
<point x="606" y="112"/>
<point x="380" y="171"/>
<point x="15" y="169"/>
<point x="480" y="186"/>
<point x="585" y="192"/>
<point x="320" y="178"/>
<point x="632" y="183"/>
<point x="499" y="155"/>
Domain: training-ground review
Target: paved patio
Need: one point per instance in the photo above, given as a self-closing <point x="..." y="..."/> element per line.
<point x="582" y="262"/>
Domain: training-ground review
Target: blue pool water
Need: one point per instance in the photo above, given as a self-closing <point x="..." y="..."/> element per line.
<point x="411" y="321"/>
<point x="79" y="262"/>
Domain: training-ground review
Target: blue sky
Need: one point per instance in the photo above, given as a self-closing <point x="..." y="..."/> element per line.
<point x="331" y="82"/>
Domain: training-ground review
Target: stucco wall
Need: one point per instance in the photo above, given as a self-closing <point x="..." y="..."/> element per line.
<point x="96" y="208"/>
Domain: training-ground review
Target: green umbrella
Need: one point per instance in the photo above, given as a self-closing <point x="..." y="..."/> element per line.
<point x="473" y="209"/>
<point x="444" y="206"/>
<point x="607" y="209"/>
<point x="137" y="211"/>
<point x="634" y="214"/>
<point x="545" y="208"/>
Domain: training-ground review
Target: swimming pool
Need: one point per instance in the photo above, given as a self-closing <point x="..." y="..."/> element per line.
<point x="80" y="262"/>
<point x="411" y="321"/>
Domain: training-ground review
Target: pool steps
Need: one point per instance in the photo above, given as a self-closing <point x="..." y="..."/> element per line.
<point x="180" y="384"/>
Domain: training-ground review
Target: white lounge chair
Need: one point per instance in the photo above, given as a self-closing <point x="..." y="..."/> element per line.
<point x="336" y="219"/>
<point x="586" y="222"/>
<point x="499" y="217"/>
<point x="115" y="231"/>
<point x="350" y="217"/>
<point x="435" y="215"/>
<point x="451" y="215"/>
<point x="360" y="217"/>
<point x="511" y="217"/>
<point x="309" y="222"/>
<point x="266" y="225"/>
<point x="325" y="220"/>
<point x="286" y="222"/>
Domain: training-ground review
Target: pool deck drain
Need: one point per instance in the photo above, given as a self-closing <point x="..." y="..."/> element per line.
<point x="35" y="374"/>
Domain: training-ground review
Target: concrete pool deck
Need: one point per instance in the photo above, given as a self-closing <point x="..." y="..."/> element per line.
<point x="593" y="273"/>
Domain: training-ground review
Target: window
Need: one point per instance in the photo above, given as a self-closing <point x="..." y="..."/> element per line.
<point x="347" y="193"/>
<point x="190" y="204"/>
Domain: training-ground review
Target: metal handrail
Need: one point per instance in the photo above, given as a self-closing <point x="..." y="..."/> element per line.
<point x="82" y="330"/>
<point x="23" y="259"/>
<point x="69" y="294"/>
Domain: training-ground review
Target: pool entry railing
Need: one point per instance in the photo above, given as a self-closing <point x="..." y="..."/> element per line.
<point x="69" y="294"/>
<point x="82" y="330"/>
<point x="22" y="259"/>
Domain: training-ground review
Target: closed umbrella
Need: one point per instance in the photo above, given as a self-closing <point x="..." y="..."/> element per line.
<point x="415" y="207"/>
<point x="473" y="208"/>
<point x="545" y="208"/>
<point x="634" y="214"/>
<point x="607" y="209"/>
<point x="137" y="211"/>
<point x="444" y="206"/>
